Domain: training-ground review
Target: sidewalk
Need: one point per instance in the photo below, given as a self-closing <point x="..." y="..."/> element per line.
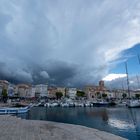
<point x="13" y="128"/>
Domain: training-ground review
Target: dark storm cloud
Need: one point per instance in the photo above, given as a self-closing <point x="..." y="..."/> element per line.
<point x="61" y="72"/>
<point x="64" y="42"/>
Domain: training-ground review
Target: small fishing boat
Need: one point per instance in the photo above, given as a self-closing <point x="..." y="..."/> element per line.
<point x="14" y="110"/>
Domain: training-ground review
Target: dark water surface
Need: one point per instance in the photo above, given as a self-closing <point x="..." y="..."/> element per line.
<point x="120" y="120"/>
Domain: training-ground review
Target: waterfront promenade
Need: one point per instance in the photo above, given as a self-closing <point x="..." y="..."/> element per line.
<point x="13" y="128"/>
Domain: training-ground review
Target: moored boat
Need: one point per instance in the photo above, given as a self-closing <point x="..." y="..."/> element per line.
<point x="121" y="104"/>
<point x="51" y="104"/>
<point x="64" y="105"/>
<point x="133" y="103"/>
<point x="14" y="110"/>
<point x="99" y="103"/>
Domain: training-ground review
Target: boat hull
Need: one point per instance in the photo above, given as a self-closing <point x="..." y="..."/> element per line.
<point x="14" y="110"/>
<point x="133" y="104"/>
<point x="100" y="104"/>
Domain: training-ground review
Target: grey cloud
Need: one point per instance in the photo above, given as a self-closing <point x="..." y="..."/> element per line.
<point x="121" y="83"/>
<point x="44" y="74"/>
<point x="65" y="43"/>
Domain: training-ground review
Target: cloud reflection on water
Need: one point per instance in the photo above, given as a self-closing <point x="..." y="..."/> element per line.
<point x="121" y="124"/>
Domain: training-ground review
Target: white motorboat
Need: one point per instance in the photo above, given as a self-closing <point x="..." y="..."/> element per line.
<point x="51" y="104"/>
<point x="55" y="104"/>
<point x="133" y="103"/>
<point x="14" y="110"/>
<point x="87" y="104"/>
<point x="80" y="105"/>
<point x="64" y="104"/>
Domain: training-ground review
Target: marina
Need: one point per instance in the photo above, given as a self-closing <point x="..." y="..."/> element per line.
<point x="76" y="103"/>
<point x="131" y="103"/>
<point x="70" y="69"/>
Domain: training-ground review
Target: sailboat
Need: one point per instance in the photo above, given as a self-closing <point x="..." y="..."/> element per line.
<point x="131" y="102"/>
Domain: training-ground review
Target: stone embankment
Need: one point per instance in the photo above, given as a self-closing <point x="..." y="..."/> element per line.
<point x="13" y="128"/>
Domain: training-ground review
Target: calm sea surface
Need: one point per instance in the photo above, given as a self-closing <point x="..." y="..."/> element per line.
<point x="120" y="120"/>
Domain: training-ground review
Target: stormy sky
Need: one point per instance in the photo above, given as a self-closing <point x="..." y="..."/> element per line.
<point x="65" y="42"/>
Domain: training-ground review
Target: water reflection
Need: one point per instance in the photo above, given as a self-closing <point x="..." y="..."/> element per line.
<point x="121" y="121"/>
<point x="99" y="113"/>
<point x="120" y="124"/>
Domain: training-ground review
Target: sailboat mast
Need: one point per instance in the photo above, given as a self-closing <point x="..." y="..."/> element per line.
<point x="123" y="86"/>
<point x="127" y="79"/>
<point x="138" y="58"/>
<point x="138" y="81"/>
<point x="137" y="75"/>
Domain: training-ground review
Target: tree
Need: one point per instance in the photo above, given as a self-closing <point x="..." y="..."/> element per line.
<point x="137" y="96"/>
<point x="80" y="94"/>
<point x="58" y="95"/>
<point x="104" y="95"/>
<point x="4" y="95"/>
<point x="124" y="95"/>
<point x="98" y="95"/>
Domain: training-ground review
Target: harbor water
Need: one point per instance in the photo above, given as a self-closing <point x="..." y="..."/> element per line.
<point x="121" y="121"/>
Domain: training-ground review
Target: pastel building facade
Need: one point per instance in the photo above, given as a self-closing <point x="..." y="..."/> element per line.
<point x="32" y="91"/>
<point x="41" y="90"/>
<point x="71" y="92"/>
<point x="23" y="90"/>
<point x="95" y="91"/>
<point x="52" y="92"/>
